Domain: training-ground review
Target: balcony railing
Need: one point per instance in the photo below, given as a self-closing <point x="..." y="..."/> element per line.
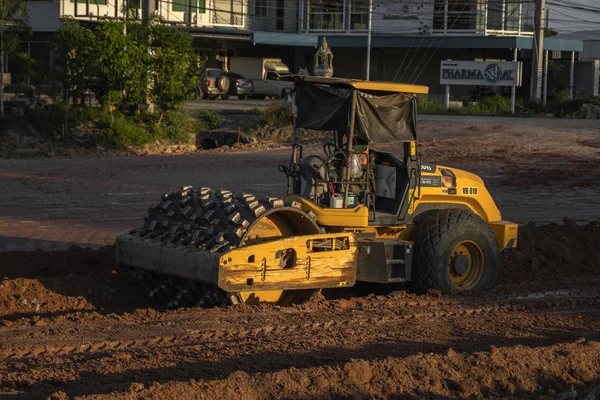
<point x="359" y="21"/>
<point x="330" y="21"/>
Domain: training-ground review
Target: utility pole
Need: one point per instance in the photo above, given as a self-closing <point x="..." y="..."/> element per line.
<point x="538" y="51"/>
<point x="369" y="40"/>
<point x="148" y="8"/>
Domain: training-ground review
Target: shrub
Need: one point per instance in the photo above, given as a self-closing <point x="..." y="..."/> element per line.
<point x="428" y="105"/>
<point x="180" y="127"/>
<point x="277" y="116"/>
<point x="494" y="105"/>
<point x="212" y="118"/>
<point x="122" y="131"/>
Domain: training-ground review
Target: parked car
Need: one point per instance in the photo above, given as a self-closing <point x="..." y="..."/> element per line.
<point x="240" y="86"/>
<point x="270" y="76"/>
<point x="214" y="84"/>
<point x="275" y="84"/>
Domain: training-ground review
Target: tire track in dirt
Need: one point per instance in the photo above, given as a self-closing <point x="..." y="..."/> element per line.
<point x="442" y="310"/>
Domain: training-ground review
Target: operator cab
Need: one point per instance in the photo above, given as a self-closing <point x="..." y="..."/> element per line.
<point x="380" y="181"/>
<point x="350" y="176"/>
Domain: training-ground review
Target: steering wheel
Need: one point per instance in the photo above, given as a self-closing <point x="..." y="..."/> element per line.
<point x="330" y="149"/>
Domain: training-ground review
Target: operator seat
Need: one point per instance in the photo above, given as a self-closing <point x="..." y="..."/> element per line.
<point x="312" y="168"/>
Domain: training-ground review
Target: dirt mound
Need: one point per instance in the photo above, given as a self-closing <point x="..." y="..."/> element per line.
<point x="553" y="252"/>
<point x="51" y="283"/>
<point x="75" y="260"/>
<point x="88" y="328"/>
<point x="561" y="371"/>
<point x="35" y="284"/>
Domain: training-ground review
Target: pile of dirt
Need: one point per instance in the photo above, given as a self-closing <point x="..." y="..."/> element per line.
<point x="54" y="283"/>
<point x="283" y="135"/>
<point x="588" y="111"/>
<point x="553" y="252"/>
<point x="560" y="371"/>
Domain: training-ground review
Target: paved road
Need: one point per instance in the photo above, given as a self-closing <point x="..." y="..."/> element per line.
<point x="53" y="203"/>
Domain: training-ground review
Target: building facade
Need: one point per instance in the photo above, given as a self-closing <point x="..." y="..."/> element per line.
<point x="415" y="17"/>
<point x="409" y="37"/>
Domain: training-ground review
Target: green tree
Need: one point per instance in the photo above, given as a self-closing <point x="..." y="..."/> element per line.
<point x="29" y="67"/>
<point x="122" y="66"/>
<point x="558" y="81"/>
<point x="13" y="17"/>
<point x="174" y="66"/>
<point x="75" y="52"/>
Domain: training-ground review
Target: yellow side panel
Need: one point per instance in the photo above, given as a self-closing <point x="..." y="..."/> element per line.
<point x="357" y="217"/>
<point x="506" y="234"/>
<point x="317" y="263"/>
<point x="453" y="186"/>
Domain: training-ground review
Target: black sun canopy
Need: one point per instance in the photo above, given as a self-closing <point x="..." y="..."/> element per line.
<point x="381" y="114"/>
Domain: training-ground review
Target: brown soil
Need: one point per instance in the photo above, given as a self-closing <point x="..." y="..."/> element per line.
<point x="73" y="324"/>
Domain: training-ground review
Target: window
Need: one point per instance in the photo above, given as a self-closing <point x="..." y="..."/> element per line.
<point x="462" y="14"/>
<point x="195" y="5"/>
<point x="94" y="2"/>
<point x="214" y="73"/>
<point x="260" y="8"/>
<point x="326" y="15"/>
<point x="439" y="13"/>
<point x="512" y="16"/>
<point x="527" y="16"/>
<point x="494" y="14"/>
<point x="359" y="14"/>
<point x="456" y="15"/>
<point x="280" y="13"/>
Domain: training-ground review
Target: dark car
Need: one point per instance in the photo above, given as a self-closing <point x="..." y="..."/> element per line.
<point x="240" y="86"/>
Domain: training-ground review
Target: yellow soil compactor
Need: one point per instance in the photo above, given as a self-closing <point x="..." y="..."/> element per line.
<point x="353" y="214"/>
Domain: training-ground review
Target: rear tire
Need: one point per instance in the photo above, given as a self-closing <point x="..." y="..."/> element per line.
<point x="454" y="251"/>
<point x="242" y="97"/>
<point x="224" y="96"/>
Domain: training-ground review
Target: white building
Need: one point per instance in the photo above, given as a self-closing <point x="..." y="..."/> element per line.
<point x="410" y="17"/>
<point x="409" y="37"/>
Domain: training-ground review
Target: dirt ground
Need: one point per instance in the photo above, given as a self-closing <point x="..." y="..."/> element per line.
<point x="73" y="324"/>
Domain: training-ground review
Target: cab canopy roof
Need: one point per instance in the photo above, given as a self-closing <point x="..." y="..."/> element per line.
<point x="368" y="111"/>
<point x="369" y="86"/>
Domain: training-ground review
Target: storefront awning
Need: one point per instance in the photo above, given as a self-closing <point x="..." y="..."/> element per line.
<point x="285" y="39"/>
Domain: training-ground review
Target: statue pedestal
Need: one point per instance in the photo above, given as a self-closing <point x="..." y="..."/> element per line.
<point x="326" y="72"/>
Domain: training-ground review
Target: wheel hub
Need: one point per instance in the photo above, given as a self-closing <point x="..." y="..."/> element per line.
<point x="460" y="264"/>
<point x="465" y="265"/>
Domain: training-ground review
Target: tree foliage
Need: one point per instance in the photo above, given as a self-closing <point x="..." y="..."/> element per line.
<point x="123" y="69"/>
<point x="75" y="50"/>
<point x="122" y="73"/>
<point x="174" y="66"/>
<point x="558" y="81"/>
<point x="13" y="17"/>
